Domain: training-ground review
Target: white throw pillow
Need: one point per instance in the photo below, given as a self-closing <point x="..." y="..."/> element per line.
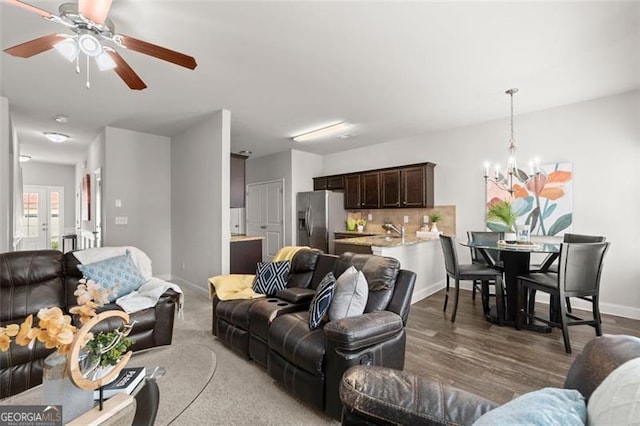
<point x="617" y="400"/>
<point x="350" y="298"/>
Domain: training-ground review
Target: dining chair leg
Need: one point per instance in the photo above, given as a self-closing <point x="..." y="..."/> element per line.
<point x="568" y="304"/>
<point x="499" y="300"/>
<point x="473" y="291"/>
<point x="565" y="329"/>
<point x="455" y="301"/>
<point x="484" y="294"/>
<point x="446" y="295"/>
<point x="596" y="315"/>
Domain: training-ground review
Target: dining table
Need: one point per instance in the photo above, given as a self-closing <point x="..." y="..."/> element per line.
<point x="516" y="260"/>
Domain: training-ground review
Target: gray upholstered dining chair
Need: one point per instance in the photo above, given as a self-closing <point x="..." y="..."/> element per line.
<point x="550" y="264"/>
<point x="478" y="259"/>
<point x="579" y="272"/>
<point x="468" y="272"/>
<point x="147" y="401"/>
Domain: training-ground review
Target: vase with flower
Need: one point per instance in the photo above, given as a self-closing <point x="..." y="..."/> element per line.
<point x="55" y="330"/>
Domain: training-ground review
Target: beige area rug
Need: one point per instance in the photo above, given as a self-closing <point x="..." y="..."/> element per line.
<point x="188" y="370"/>
<point x="240" y="392"/>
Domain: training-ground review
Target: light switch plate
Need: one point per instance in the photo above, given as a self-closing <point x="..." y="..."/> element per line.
<point x="118" y="203"/>
<point x="370" y="217"/>
<point x="122" y="220"/>
<point x="406" y="219"/>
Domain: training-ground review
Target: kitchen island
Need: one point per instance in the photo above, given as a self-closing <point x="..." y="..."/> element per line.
<point x="421" y="255"/>
<point x="245" y="253"/>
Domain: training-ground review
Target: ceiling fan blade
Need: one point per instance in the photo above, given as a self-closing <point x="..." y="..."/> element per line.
<point x="158" y="52"/>
<point x="126" y="73"/>
<point x="95" y="10"/>
<point x="30" y="8"/>
<point x="35" y="46"/>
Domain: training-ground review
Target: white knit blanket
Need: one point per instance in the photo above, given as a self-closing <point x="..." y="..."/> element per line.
<point x="148" y="295"/>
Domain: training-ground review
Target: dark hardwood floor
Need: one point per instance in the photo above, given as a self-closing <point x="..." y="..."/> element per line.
<point x="496" y="362"/>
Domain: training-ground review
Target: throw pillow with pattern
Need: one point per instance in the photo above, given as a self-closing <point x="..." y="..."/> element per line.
<point x="321" y="301"/>
<point x="118" y="273"/>
<point x="271" y="277"/>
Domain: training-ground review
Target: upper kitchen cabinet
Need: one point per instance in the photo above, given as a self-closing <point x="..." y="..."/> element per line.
<point x="237" y="189"/>
<point x="370" y="190"/>
<point x="352" y="198"/>
<point x="330" y="183"/>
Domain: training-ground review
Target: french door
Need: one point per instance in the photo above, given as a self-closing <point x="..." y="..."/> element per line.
<point x="43" y="217"/>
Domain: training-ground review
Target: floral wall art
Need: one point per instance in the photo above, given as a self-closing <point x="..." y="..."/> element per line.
<point x="545" y="201"/>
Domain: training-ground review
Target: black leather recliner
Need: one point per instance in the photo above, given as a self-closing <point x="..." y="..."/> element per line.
<point x="310" y="363"/>
<point x="382" y="396"/>
<point x="32" y="280"/>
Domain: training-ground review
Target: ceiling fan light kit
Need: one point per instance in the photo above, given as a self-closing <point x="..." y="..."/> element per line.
<point x="91" y="27"/>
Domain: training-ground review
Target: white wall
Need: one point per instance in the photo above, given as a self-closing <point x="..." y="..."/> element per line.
<point x="297" y="168"/>
<point x="6" y="179"/>
<point x="602" y="139"/>
<point x="137" y="171"/>
<point x="49" y="174"/>
<point x="200" y="172"/>
<point x="95" y="160"/>
<point x="274" y="167"/>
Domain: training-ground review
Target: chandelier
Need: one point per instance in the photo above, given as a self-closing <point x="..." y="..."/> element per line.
<point x="512" y="174"/>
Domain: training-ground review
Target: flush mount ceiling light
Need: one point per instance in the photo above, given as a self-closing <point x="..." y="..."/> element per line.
<point x="322" y="132"/>
<point x="24" y="158"/>
<point x="245" y="152"/>
<point x="56" y="137"/>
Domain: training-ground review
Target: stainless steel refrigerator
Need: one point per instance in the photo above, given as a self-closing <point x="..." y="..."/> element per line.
<point x="319" y="215"/>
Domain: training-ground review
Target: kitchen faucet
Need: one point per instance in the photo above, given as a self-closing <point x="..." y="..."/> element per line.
<point x="391" y="227"/>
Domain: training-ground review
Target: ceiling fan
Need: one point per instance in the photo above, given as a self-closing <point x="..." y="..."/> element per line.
<point x="90" y="26"/>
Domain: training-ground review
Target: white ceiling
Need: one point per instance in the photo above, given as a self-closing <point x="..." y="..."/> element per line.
<point x="392" y="69"/>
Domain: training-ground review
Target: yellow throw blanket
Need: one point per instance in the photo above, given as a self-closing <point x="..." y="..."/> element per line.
<point x="238" y="286"/>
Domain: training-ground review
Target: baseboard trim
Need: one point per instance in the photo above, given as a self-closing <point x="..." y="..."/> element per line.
<point x="426" y="292"/>
<point x="182" y="282"/>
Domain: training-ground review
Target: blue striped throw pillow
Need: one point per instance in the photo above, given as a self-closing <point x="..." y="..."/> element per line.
<point x="321" y="301"/>
<point x="271" y="277"/>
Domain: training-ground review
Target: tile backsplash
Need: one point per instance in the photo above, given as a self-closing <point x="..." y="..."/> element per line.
<point x="447" y="223"/>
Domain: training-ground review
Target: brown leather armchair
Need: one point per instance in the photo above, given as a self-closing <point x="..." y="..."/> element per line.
<point x="32" y="280"/>
<point x="375" y="395"/>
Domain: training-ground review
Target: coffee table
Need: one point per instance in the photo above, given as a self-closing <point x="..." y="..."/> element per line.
<point x="189" y="369"/>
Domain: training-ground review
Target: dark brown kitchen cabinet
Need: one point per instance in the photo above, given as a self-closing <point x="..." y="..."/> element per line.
<point x="390" y="188"/>
<point x="244" y="256"/>
<point x="370" y="190"/>
<point x="393" y="187"/>
<point x="237" y="181"/>
<point x="330" y="183"/>
<point x="352" y="198"/>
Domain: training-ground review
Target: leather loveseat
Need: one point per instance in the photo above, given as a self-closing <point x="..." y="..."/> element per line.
<point x="381" y="396"/>
<point x="274" y="331"/>
<point x="32" y="280"/>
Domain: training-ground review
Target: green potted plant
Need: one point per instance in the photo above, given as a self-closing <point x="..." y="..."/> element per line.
<point x="434" y="218"/>
<point x="501" y="218"/>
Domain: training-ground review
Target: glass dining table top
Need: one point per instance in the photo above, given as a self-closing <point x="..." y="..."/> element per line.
<point x="534" y="247"/>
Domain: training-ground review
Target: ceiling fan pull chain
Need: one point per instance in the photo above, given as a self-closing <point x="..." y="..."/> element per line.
<point x="88" y="83"/>
<point x="78" y="64"/>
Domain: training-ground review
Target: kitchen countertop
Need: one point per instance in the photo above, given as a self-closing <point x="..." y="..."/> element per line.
<point x="385" y="241"/>
<point x="237" y="238"/>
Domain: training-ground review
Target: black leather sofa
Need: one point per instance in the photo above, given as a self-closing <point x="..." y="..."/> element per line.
<point x="32" y="280"/>
<point x="275" y="332"/>
<point x="382" y="396"/>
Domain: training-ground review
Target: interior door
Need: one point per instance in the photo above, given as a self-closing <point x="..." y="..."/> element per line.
<point x="42" y="220"/>
<point x="265" y="215"/>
